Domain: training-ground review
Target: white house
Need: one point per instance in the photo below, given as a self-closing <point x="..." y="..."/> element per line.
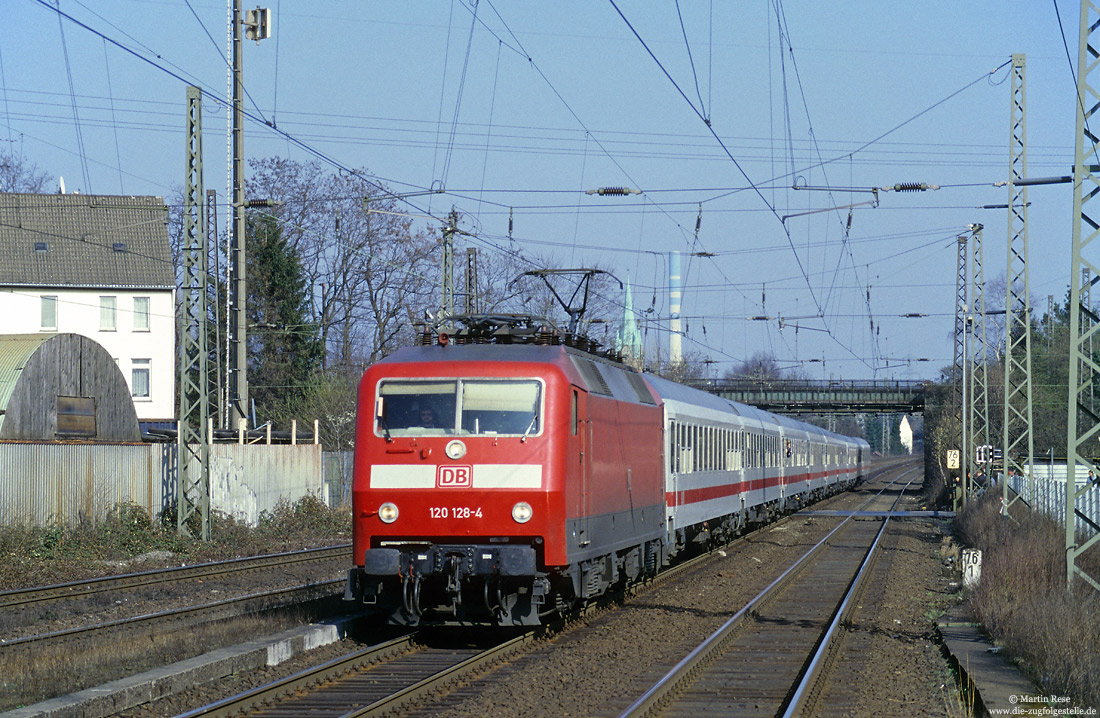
<point x="99" y="266"/>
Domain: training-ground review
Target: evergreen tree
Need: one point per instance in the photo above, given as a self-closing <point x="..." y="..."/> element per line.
<point x="283" y="342"/>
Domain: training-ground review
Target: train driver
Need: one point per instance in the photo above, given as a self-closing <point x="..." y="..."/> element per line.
<point x="427" y="417"/>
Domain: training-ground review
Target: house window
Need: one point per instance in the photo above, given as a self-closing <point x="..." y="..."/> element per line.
<point x="139" y="379"/>
<point x="107" y="311"/>
<point x="141" y="314"/>
<point x="49" y="313"/>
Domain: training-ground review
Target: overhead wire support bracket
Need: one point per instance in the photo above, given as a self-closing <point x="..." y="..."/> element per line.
<point x="872" y="202"/>
<point x="813" y="188"/>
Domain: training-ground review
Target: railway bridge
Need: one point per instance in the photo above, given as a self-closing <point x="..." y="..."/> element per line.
<point x="813" y="396"/>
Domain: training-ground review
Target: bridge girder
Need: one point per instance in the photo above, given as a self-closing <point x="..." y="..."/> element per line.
<point x="827" y="397"/>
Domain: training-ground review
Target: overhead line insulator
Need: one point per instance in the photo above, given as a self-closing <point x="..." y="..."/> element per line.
<point x="912" y="187"/>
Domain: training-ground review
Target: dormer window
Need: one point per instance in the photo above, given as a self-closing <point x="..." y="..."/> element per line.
<point x="41" y="247"/>
<point x="119" y="246"/>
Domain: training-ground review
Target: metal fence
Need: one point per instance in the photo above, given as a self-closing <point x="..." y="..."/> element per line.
<point x="1048" y="494"/>
<point x="43" y="483"/>
<point x="338" y="467"/>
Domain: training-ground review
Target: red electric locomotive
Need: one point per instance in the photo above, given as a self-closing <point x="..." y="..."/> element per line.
<point x="491" y="485"/>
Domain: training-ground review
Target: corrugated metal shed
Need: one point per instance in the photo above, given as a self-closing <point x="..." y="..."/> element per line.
<point x="15" y="350"/>
<point x="80" y="240"/>
<point x="47" y="483"/>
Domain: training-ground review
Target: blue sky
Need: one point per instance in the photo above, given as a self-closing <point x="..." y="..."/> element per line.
<point x="518" y="107"/>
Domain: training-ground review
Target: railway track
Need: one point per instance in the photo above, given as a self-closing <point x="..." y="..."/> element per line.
<point x="108" y="628"/>
<point x="203" y="571"/>
<point x="179" y="619"/>
<point x="770" y="657"/>
<point x="376" y="681"/>
<point x="395" y="677"/>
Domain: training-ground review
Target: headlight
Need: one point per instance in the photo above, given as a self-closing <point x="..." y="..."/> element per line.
<point x="455" y="450"/>
<point x="387" y="512"/>
<point x="521" y="512"/>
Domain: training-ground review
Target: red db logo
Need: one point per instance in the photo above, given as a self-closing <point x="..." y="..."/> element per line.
<point x="454" y="477"/>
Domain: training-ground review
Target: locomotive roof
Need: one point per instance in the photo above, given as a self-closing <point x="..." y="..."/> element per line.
<point x="599" y="376"/>
<point x="474" y="352"/>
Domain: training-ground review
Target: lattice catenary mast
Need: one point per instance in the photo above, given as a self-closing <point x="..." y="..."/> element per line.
<point x="193" y="455"/>
<point x="1084" y="424"/>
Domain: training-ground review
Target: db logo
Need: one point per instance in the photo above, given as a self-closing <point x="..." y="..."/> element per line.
<point x="454" y="477"/>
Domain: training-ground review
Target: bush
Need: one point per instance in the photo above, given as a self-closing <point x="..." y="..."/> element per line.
<point x="1022" y="599"/>
<point x="308" y="515"/>
<point x="35" y="556"/>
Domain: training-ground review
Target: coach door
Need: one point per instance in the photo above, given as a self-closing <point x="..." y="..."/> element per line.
<point x="672" y="471"/>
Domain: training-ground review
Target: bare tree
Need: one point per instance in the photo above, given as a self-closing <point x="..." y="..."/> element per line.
<point x="760" y="365"/>
<point x="18" y="174"/>
<point x="693" y="368"/>
<point x="366" y="263"/>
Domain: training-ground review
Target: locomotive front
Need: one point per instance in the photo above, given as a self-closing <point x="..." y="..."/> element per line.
<point x="457" y="485"/>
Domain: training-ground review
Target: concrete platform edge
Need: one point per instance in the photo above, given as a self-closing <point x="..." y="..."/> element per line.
<point x="132" y="691"/>
<point x="987" y="677"/>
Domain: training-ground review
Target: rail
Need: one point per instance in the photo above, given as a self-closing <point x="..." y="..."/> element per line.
<point x="79" y="589"/>
<point x="189" y="616"/>
<point x="650" y="701"/>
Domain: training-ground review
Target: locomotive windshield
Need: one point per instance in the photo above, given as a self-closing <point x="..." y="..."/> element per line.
<point x="459" y="407"/>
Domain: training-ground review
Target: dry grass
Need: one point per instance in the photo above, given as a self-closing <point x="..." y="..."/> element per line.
<point x="30" y="676"/>
<point x="1023" y="603"/>
<point x="36" y="556"/>
<point x="56" y="554"/>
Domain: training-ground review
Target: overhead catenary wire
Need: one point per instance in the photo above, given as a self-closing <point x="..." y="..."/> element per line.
<point x="110" y="94"/>
<point x="222" y="57"/>
<point x="691" y="59"/>
<point x="375" y="181"/>
<point x="72" y="97"/>
<point x="7" y="110"/>
<point x="755" y="188"/>
<point x="644" y="206"/>
<point x="458" y="102"/>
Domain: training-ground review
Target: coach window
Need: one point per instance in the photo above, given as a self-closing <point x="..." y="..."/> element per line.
<point x="573" y="414"/>
<point x="678" y="447"/>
